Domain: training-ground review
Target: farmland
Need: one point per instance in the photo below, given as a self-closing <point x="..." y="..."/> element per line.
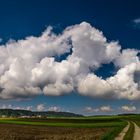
<point x="24" y="132"/>
<point x="78" y="128"/>
<point x="70" y="128"/>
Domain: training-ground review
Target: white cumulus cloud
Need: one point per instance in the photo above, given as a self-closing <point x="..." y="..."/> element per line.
<point x="30" y="67"/>
<point x="40" y="107"/>
<point x="128" y="108"/>
<point x="104" y="108"/>
<point x="54" y="108"/>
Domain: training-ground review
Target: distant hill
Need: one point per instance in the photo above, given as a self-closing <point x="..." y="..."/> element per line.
<point x="20" y="113"/>
<point x="127" y="114"/>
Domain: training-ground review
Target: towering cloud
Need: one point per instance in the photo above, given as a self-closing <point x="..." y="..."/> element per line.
<point x="59" y="64"/>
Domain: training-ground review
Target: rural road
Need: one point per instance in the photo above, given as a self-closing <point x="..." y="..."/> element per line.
<point x="137" y="132"/>
<point x="123" y="132"/>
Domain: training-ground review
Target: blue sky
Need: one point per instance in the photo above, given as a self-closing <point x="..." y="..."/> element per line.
<point x="118" y="20"/>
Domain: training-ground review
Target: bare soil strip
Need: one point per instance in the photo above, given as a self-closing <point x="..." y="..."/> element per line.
<point x="28" y="132"/>
<point x="137" y="132"/>
<point x="123" y="132"/>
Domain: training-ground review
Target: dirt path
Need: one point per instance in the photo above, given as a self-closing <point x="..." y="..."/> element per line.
<point x="137" y="132"/>
<point x="123" y="132"/>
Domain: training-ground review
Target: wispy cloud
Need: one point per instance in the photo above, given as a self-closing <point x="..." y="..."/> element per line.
<point x="137" y="20"/>
<point x="136" y="23"/>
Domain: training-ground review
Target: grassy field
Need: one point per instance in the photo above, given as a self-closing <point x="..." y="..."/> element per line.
<point x="133" y="118"/>
<point x="67" y="122"/>
<point x="83" y="128"/>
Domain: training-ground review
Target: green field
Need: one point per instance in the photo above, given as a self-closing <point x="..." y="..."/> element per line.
<point x="110" y="125"/>
<point x="67" y="122"/>
<point x="113" y="123"/>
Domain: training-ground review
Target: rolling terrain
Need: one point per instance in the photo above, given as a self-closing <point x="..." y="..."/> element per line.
<point x="78" y="127"/>
<point x="28" y="113"/>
